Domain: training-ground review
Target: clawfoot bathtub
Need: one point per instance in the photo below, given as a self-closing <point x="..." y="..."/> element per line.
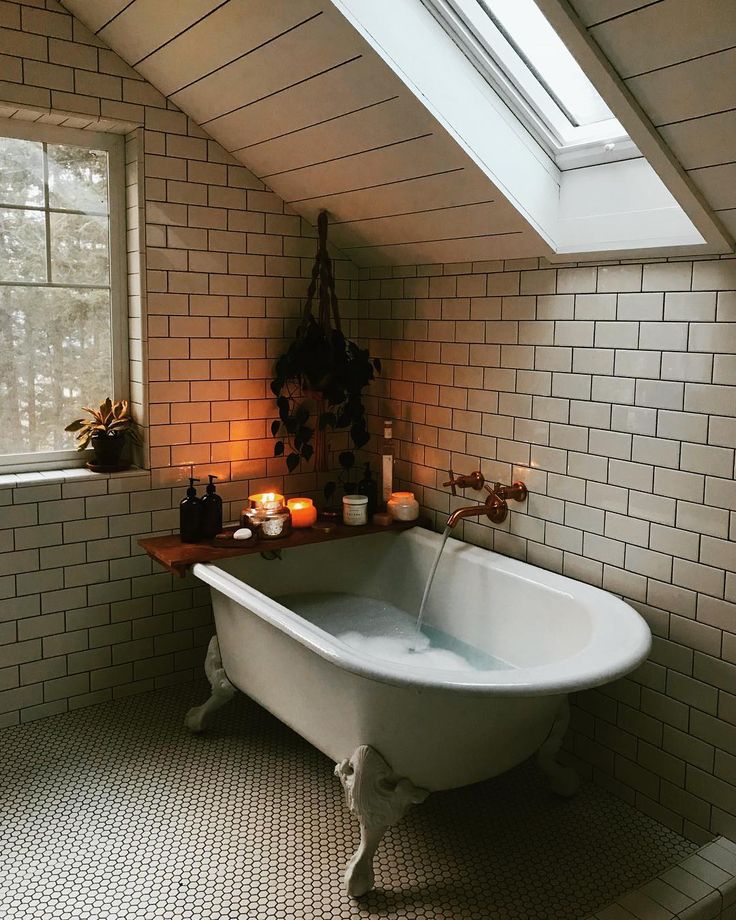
<point x="298" y="636"/>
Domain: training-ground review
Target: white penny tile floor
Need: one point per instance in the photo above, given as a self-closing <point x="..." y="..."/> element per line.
<point x="117" y="813"/>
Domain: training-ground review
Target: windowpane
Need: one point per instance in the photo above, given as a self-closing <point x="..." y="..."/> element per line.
<point x="58" y="288"/>
<point x="21" y="172"/>
<point x="22" y="245"/>
<point x="79" y="249"/>
<point x="536" y="40"/>
<point x="56" y="358"/>
<point x="77" y="178"/>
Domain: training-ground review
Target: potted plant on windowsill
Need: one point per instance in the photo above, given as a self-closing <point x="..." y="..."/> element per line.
<point x="107" y="431"/>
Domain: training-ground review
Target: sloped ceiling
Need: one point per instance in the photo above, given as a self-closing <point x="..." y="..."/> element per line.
<point x="297" y="96"/>
<point x="678" y="59"/>
<point x="295" y="93"/>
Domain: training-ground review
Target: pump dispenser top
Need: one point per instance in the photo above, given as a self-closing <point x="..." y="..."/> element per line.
<point x="211" y="511"/>
<point x="190" y="515"/>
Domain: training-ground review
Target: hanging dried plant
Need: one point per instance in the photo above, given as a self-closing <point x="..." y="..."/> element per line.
<point x="319" y="381"/>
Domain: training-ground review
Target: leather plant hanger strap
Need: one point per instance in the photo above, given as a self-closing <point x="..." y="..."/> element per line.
<point x="322" y="273"/>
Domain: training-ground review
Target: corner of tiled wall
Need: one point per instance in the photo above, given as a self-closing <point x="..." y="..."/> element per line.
<point x="611" y="391"/>
<point x="216" y="278"/>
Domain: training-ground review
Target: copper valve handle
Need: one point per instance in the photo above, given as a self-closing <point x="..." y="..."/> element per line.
<point x="517" y="491"/>
<point x="474" y="480"/>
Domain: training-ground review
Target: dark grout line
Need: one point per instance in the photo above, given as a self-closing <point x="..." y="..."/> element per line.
<point x="347" y="156"/>
<point x="245" y="54"/>
<point x="682" y="121"/>
<point x="712" y="166"/>
<point x="113" y="18"/>
<point x="449" y="207"/>
<point x="698" y="57"/>
<point x="283" y="89"/>
<point x="446" y="239"/>
<point x="178" y="34"/>
<point x="365" y="188"/>
<point x="315" y="124"/>
<point x="644" y="6"/>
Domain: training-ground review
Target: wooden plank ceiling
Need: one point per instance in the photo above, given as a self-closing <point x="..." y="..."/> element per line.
<point x="678" y="59"/>
<point x="298" y="97"/>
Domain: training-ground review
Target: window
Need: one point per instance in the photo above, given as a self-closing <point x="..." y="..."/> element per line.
<point x="514" y="47"/>
<point x="62" y="287"/>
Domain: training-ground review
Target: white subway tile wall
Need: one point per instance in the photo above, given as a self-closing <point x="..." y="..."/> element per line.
<point x="216" y="271"/>
<point x="611" y="390"/>
<point x="611" y="393"/>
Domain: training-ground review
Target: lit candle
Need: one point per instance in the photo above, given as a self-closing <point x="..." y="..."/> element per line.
<point x="303" y="512"/>
<point x="267" y="501"/>
<point x="402" y="506"/>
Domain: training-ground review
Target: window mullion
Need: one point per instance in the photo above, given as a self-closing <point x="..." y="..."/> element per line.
<point x="35" y="207"/>
<point x="46" y="213"/>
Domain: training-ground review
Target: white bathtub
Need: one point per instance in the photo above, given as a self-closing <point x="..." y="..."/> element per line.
<point x="433" y="729"/>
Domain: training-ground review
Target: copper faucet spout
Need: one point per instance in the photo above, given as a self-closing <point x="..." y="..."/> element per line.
<point x="495" y="506"/>
<point x="470" y="511"/>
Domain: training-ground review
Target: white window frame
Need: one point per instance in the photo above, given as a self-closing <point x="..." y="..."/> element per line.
<point x="495" y="58"/>
<point x="114" y="145"/>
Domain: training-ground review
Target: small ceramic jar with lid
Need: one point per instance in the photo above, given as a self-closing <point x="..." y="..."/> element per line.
<point x="355" y="510"/>
<point x="402" y="506"/>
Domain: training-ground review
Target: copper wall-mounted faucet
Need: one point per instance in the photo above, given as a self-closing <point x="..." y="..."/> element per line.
<point x="495" y="507"/>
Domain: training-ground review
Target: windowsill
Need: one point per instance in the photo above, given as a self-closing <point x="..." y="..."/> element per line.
<point x="72" y="474"/>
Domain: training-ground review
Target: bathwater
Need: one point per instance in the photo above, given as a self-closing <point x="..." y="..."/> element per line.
<point x="383" y="630"/>
<point x="427" y="588"/>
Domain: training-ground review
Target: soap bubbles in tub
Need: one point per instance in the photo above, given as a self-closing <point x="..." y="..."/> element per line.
<point x="415" y="651"/>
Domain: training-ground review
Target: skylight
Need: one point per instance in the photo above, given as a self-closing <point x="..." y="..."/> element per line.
<point x="529" y="33"/>
<point x="522" y="57"/>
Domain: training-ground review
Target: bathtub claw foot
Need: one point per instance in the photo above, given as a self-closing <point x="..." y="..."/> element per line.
<point x="378" y="798"/>
<point x="563" y="781"/>
<point x="197" y="719"/>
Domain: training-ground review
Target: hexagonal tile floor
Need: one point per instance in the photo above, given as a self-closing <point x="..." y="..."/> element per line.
<point x="117" y="813"/>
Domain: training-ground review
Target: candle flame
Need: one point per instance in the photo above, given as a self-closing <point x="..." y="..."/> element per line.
<point x="266" y="498"/>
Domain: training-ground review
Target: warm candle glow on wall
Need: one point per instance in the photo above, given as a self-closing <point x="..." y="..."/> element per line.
<point x="303" y="512"/>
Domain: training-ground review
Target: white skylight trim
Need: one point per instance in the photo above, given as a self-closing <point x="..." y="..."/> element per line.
<point x="517" y="51"/>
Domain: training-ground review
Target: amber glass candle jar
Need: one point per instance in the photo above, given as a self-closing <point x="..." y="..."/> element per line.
<point x="303" y="512"/>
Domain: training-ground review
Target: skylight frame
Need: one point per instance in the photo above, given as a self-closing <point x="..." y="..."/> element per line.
<point x="493" y="54"/>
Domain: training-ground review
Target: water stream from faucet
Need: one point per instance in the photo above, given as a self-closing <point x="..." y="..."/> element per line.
<point x="428" y="588"/>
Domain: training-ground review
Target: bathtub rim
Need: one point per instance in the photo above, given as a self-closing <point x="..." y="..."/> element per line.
<point x="559" y="677"/>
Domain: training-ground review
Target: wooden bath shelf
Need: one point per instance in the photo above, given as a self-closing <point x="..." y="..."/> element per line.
<point x="177" y="557"/>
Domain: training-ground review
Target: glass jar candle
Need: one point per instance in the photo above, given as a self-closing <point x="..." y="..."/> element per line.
<point x="355" y="510"/>
<point x="303" y="512"/>
<point x="402" y="506"/>
<point x="273" y="525"/>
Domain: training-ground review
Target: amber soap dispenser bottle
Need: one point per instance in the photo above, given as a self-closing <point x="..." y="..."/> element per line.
<point x="190" y="515"/>
<point x="211" y="511"/>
